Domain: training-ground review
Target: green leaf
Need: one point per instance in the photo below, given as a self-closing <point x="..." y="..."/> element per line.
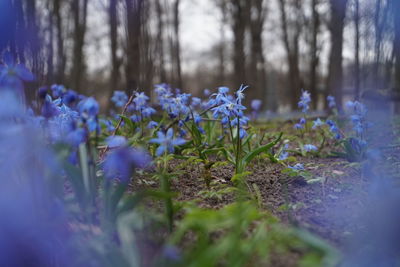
<point x="128" y="122"/>
<point x="251" y="155"/>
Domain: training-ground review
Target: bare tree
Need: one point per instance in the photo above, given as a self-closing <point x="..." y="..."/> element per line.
<point x="336" y="26"/>
<point x="61" y="57"/>
<point x="257" y="59"/>
<point x="133" y="28"/>
<point x="291" y="41"/>
<point x="50" y="48"/>
<point x="222" y="5"/>
<point x="160" y="40"/>
<point x="357" y="48"/>
<point x="177" y="46"/>
<point x="314" y="61"/>
<point x="79" y="11"/>
<point x="115" y="61"/>
<point x="239" y="17"/>
<point x="396" y="47"/>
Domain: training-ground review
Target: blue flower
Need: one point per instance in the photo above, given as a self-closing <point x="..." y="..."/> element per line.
<point x="172" y="253"/>
<point x="195" y="102"/>
<point x="167" y="142"/>
<point x="283" y="155"/>
<point x="108" y="124"/>
<point x="116" y="141"/>
<point x="42" y="92"/>
<point x="331" y="101"/>
<point x="256" y="104"/>
<point x="121" y="162"/>
<point x="302" y="121"/>
<point x="317" y="123"/>
<point x="119" y="98"/>
<point x="304" y="102"/>
<point x="297" y="167"/>
<point x="147" y="112"/>
<point x="58" y="90"/>
<point x="240" y="94"/>
<point x="70" y="97"/>
<point x="140" y="100"/>
<point x="76" y="137"/>
<point x="88" y="107"/>
<point x="298" y="126"/>
<point x="310" y="147"/>
<point x="152" y="125"/>
<point x="135" y="118"/>
<point x="49" y="109"/>
<point x="206" y="92"/>
<point x="223" y="90"/>
<point x="13" y="75"/>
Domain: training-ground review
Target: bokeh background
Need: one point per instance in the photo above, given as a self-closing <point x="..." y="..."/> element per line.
<point x="344" y="48"/>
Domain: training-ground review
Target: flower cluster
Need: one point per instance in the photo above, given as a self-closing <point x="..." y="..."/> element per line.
<point x="229" y="109"/>
<point x="331" y="101"/>
<point x="304" y="104"/>
<point x="357" y="116"/>
<point x="119" y="98"/>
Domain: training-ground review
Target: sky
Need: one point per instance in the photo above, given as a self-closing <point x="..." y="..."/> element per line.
<point x="199" y="31"/>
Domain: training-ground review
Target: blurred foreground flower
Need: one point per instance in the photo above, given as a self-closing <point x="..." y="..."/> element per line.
<point x="13" y="75"/>
<point x="121" y="162"/>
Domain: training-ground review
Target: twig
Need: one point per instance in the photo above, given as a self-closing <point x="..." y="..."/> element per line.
<point x="104" y="151"/>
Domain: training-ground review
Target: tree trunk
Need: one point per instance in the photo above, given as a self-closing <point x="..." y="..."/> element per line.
<point x="357" y="49"/>
<point x="132" y="71"/>
<point x="115" y="61"/>
<point x="50" y="49"/>
<point x="177" y="46"/>
<point x="335" y="78"/>
<point x="257" y="82"/>
<point x="160" y="41"/>
<point x="79" y="9"/>
<point x="61" y="57"/>
<point x="396" y="48"/>
<point x="314" y="52"/>
<point x="221" y="47"/>
<point x="239" y="17"/>
<point x="292" y="51"/>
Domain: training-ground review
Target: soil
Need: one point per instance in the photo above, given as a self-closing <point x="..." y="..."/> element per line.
<point x="331" y="208"/>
